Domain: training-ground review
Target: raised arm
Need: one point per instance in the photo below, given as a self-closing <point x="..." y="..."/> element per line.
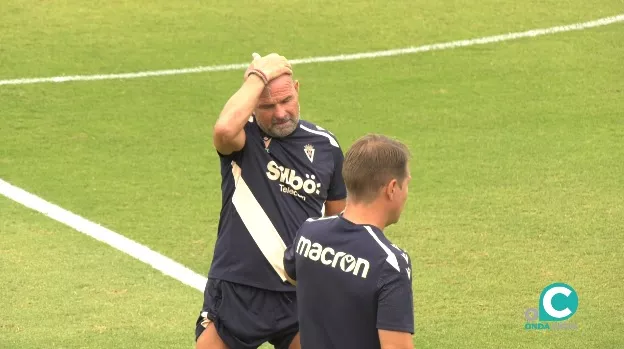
<point x="228" y="133"/>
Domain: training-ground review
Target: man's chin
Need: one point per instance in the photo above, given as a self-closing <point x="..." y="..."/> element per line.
<point x="283" y="130"/>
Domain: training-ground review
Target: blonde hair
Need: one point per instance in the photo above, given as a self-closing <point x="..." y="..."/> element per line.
<point x="372" y="162"/>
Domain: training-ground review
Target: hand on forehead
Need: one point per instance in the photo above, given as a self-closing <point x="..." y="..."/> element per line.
<point x="278" y="88"/>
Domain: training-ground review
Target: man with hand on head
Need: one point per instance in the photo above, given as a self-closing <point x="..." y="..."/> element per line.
<point x="354" y="288"/>
<point x="277" y="171"/>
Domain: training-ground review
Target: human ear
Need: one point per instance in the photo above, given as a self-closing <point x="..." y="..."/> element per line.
<point x="391" y="188"/>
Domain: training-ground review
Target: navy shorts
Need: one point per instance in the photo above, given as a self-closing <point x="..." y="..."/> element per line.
<point x="245" y="317"/>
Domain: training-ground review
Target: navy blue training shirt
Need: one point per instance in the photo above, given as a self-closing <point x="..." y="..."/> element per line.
<point x="266" y="195"/>
<point x="351" y="282"/>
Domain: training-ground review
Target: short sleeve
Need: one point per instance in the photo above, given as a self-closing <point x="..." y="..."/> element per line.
<point x="395" y="308"/>
<point x="236" y="156"/>
<point x="337" y="189"/>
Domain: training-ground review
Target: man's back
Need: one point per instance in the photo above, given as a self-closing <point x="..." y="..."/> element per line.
<point x="351" y="281"/>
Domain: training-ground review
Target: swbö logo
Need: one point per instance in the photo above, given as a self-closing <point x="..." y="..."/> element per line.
<point x="557" y="302"/>
<point x="291" y="182"/>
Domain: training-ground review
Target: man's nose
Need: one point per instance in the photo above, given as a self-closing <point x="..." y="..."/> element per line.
<point x="280" y="111"/>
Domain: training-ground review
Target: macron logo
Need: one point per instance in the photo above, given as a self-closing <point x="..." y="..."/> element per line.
<point x="346" y="262"/>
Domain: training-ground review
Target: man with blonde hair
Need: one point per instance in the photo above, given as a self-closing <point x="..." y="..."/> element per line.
<point x="354" y="288"/>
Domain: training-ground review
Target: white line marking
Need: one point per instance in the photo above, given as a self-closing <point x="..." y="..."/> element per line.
<point x="338" y="58"/>
<point x="159" y="262"/>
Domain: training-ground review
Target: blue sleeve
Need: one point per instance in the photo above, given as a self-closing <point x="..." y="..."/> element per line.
<point x="395" y="308"/>
<point x="227" y="159"/>
<point x="226" y="162"/>
<point x="337" y="189"/>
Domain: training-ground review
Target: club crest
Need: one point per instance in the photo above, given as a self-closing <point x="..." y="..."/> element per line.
<point x="309" y="151"/>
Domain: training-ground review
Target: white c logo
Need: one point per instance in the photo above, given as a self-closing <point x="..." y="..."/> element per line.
<point x="547" y="302"/>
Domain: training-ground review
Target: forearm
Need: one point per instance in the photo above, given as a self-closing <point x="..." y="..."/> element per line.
<point x="239" y="107"/>
<point x="395" y="340"/>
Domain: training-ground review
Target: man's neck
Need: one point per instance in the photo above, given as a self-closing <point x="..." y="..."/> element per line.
<point x="368" y="214"/>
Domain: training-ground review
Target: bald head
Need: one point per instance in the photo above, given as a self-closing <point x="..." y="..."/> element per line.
<point x="284" y="84"/>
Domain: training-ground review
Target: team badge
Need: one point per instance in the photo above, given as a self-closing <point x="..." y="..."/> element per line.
<point x="309" y="151"/>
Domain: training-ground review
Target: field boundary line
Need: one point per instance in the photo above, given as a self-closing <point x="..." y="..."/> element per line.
<point x="143" y="253"/>
<point x="323" y="59"/>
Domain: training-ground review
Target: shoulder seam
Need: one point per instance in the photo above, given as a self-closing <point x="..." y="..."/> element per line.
<point x="312" y="219"/>
<point x="392" y="258"/>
